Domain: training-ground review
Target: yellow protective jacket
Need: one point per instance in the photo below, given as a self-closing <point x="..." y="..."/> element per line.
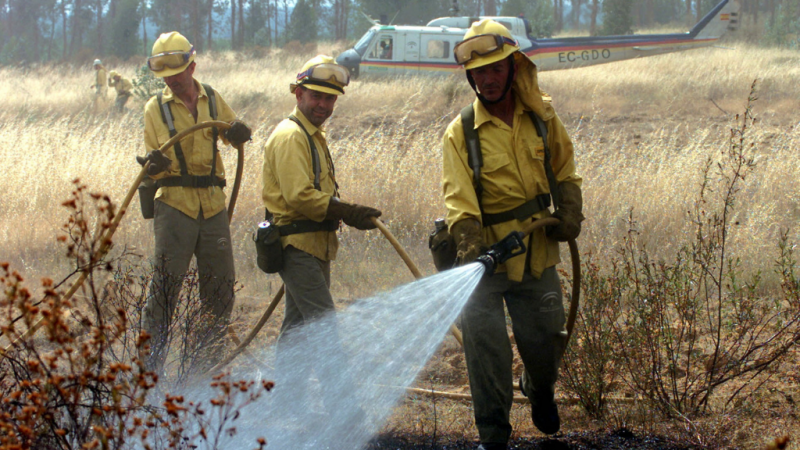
<point x="100" y="80"/>
<point x="197" y="149"/>
<point x="288" y="184"/>
<point x="513" y="169"/>
<point x="123" y="86"/>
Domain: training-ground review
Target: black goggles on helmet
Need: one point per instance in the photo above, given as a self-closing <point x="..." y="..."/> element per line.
<point x="480" y="45"/>
<point x="169" y="60"/>
<point x="325" y="75"/>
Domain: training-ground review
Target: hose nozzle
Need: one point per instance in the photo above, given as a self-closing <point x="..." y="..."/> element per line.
<point x="503" y="250"/>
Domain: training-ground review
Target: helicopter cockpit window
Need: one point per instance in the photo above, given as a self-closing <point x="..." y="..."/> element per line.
<point x="383" y="49"/>
<point x="438" y="49"/>
<point x="363" y="43"/>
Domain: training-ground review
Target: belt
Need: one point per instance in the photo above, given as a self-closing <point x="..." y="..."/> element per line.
<point x="308" y="226"/>
<point x="195" y="181"/>
<point x="522" y="212"/>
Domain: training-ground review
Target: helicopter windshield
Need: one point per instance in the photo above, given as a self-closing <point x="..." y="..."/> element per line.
<point x="363" y="43"/>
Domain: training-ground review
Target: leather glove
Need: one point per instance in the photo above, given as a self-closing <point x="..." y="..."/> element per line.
<point x="238" y="133"/>
<point x="469" y="241"/>
<point x="356" y="216"/>
<point x="569" y="213"/>
<point x="158" y="162"/>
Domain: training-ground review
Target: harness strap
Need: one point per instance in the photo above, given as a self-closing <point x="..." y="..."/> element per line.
<point x="522" y="212"/>
<point x="475" y="161"/>
<point x="186" y="180"/>
<point x="314" y="153"/>
<point x="308" y="226"/>
<point x="541" y="128"/>
<point x="474" y="154"/>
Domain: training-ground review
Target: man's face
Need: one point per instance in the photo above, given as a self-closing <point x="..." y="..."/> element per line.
<point x="491" y="79"/>
<point x="181" y="83"/>
<point x="316" y="106"/>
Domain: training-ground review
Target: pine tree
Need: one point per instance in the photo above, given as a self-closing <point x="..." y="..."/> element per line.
<point x="617" y="17"/>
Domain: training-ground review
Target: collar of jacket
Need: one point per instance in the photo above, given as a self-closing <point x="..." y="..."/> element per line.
<point x="169" y="96"/>
<point x="310" y="127"/>
<point x="482" y="115"/>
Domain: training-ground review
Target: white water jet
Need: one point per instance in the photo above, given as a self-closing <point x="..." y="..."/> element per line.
<point x="359" y="360"/>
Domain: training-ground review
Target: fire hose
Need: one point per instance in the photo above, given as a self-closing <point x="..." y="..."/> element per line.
<point x="105" y="241"/>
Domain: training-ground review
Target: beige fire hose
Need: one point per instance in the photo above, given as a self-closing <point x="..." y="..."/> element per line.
<point x="105" y="242"/>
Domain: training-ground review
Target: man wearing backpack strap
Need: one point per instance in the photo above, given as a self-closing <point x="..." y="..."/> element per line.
<point x="190" y="216"/>
<point x="506" y="159"/>
<point x="301" y="194"/>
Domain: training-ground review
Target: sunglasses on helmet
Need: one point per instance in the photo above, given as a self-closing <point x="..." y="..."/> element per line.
<point x="171" y="60"/>
<point x="325" y="73"/>
<point x="480" y="45"/>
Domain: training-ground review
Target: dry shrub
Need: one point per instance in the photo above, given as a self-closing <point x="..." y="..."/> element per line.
<point x="83" y="384"/>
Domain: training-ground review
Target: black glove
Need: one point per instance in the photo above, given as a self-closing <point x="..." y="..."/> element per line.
<point x="238" y="133"/>
<point x="357" y="216"/>
<point x="469" y="241"/>
<point x="158" y="162"/>
<point x="569" y="213"/>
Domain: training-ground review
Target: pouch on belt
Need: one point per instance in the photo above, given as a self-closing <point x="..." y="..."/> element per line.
<point x="442" y="246"/>
<point x="269" y="251"/>
<point x="147" y="197"/>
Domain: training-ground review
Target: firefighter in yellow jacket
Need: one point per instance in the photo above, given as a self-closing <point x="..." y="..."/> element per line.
<point x="301" y="196"/>
<point x="520" y="173"/>
<point x="99" y="85"/>
<point x="190" y="216"/>
<point x="124" y="89"/>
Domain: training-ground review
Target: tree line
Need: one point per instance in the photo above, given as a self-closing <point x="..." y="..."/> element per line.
<point x="77" y="30"/>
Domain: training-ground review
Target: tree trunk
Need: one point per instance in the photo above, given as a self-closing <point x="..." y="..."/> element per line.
<point x="233" y="24"/>
<point x="593" y="25"/>
<point x="64" y="29"/>
<point x="196" y="40"/>
<point x="75" y="40"/>
<point x="99" y="7"/>
<point x="576" y="13"/>
<point x="489" y="8"/>
<point x="241" y="24"/>
<point x="210" y="37"/>
<point x="145" y="50"/>
<point x="52" y="36"/>
<point x="689" y="12"/>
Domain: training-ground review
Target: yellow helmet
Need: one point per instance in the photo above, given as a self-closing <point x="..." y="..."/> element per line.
<point x="172" y="53"/>
<point x="485" y="42"/>
<point x="321" y="73"/>
<point x="113" y="74"/>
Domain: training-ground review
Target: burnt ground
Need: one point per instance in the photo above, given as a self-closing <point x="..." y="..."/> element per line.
<point x="620" y="439"/>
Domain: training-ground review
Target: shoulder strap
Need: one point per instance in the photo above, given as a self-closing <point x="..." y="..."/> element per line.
<point x="212" y="111"/>
<point x="314" y="153"/>
<point x="541" y="128"/>
<point x="166" y="116"/>
<point x="474" y="154"/>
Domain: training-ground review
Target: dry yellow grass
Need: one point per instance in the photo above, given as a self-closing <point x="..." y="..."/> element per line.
<point x="642" y="131"/>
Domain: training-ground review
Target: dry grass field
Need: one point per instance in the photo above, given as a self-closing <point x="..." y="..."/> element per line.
<point x="642" y="129"/>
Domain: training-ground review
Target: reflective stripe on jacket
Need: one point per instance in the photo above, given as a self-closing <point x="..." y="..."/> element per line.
<point x="288" y="184"/>
<point x="197" y="149"/>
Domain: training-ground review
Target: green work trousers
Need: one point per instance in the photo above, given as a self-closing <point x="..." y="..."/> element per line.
<point x="178" y="238"/>
<point x="537" y="317"/>
<point x="120" y="102"/>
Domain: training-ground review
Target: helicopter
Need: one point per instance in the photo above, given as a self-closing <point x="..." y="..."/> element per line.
<point x="405" y="49"/>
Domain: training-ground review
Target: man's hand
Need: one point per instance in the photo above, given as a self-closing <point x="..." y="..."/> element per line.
<point x="238" y="133"/>
<point x="357" y="216"/>
<point x="158" y="162"/>
<point x="569" y="213"/>
<point x="469" y="241"/>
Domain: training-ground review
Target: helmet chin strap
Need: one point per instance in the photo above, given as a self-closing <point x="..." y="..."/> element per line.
<point x="506" y="90"/>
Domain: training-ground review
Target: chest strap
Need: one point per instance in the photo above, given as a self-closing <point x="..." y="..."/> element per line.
<point x="186" y="180"/>
<point x="314" y="154"/>
<point x="475" y="161"/>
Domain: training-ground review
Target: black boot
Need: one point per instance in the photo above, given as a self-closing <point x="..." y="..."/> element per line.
<point x="544" y="410"/>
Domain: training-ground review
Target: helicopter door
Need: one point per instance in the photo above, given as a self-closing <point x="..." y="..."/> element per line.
<point x="411" y="52"/>
<point x="381" y="54"/>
